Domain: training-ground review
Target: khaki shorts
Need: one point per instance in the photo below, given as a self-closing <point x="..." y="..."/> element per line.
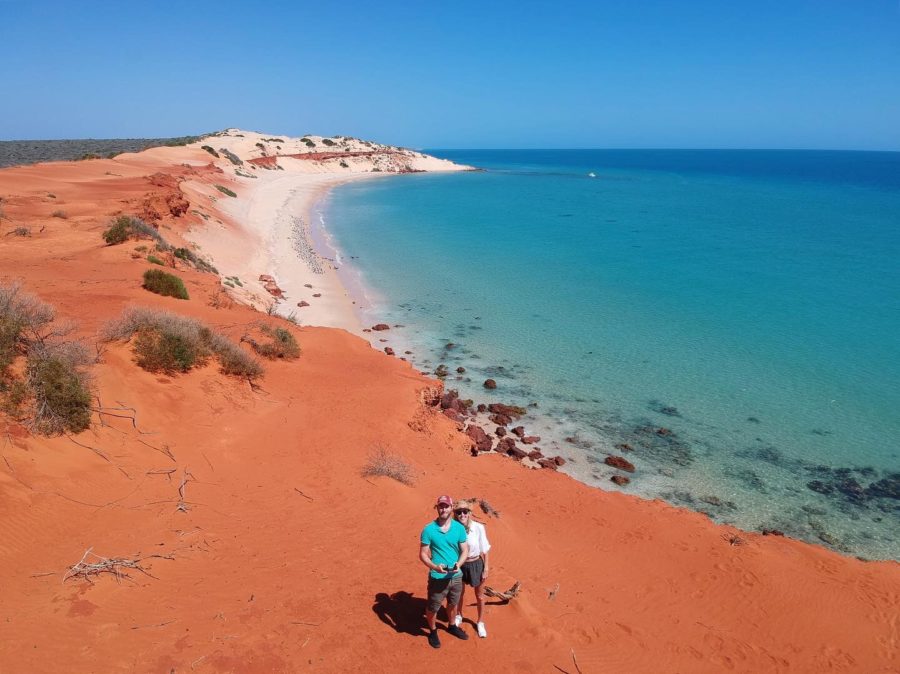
<point x="440" y="589"/>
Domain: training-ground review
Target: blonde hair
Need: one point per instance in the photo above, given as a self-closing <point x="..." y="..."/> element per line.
<point x="463" y="503"/>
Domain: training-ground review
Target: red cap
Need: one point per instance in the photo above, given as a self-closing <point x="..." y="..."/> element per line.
<point x="445" y="500"/>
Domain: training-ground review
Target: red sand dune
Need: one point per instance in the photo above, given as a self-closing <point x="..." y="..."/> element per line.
<point x="284" y="558"/>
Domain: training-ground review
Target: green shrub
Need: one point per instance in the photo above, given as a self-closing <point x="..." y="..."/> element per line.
<point x="152" y="259"/>
<point x="283" y="344"/>
<point x="118" y="232"/>
<point x="159" y="282"/>
<point x="210" y="150"/>
<point x="328" y="142"/>
<point x="225" y="190"/>
<point x="169" y="351"/>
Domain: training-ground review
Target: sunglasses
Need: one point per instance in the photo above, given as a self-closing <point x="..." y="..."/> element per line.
<point x="462" y="512"/>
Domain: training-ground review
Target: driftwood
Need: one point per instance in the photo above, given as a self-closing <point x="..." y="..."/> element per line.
<point x="505" y="597"/>
<point x="117" y="566"/>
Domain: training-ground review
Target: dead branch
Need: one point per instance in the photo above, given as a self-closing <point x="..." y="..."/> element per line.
<point x="505" y="597"/>
<point x="16" y="475"/>
<point x="117" y="566"/>
<point x="575" y="660"/>
<point x="98" y="452"/>
<point x="185" y="478"/>
<point x="303" y="495"/>
<point x="168" y="622"/>
<point x="165" y="449"/>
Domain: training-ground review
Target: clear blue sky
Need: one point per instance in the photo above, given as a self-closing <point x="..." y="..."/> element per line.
<point x="694" y="73"/>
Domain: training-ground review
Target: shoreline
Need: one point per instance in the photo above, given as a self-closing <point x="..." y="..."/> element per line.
<point x="697" y="489"/>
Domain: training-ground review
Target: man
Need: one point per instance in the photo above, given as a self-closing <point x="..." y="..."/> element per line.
<point x="443" y="550"/>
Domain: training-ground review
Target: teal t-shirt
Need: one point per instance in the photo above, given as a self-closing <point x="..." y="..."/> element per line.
<point x="444" y="546"/>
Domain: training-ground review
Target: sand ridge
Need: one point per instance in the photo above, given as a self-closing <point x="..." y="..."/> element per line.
<point x="285" y="558"/>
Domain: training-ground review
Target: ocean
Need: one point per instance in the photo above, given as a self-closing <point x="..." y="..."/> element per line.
<point x="728" y="321"/>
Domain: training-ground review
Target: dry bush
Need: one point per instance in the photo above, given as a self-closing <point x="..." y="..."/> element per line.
<point x="60" y="214"/>
<point x="24" y="320"/>
<point x="175" y="340"/>
<point x="56" y="388"/>
<point x="127" y="227"/>
<point x="383" y="463"/>
<point x="60" y="388"/>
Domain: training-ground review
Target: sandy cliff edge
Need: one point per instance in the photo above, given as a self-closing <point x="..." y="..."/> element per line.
<point x="283" y="557"/>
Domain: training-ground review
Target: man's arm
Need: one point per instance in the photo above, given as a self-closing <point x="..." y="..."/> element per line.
<point x="425" y="557"/>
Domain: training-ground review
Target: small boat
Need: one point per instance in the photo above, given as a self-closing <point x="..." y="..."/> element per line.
<point x="592" y="175"/>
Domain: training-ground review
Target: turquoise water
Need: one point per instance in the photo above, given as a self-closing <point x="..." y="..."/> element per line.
<point x="747" y="301"/>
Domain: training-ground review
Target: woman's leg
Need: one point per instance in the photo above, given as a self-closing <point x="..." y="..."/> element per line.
<point x="479" y="599"/>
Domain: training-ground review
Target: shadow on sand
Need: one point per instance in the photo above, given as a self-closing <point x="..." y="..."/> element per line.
<point x="403" y="612"/>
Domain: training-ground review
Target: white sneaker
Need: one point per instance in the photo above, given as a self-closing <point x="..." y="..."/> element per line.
<point x="457" y="620"/>
<point x="482" y="632"/>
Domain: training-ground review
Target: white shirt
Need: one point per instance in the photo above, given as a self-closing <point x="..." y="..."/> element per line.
<point x="477" y="539"/>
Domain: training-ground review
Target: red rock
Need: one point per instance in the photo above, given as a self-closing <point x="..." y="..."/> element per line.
<point x="389" y="351"/>
<point x="381" y="326"/>
<point x="382" y="340"/>
<point x="265" y="278"/>
<point x="500" y="419"/>
<point x="619" y="462"/>
<point x="516" y="453"/>
<point x="450" y="400"/>
<point x="317" y="294"/>
<point x="490" y="384"/>
<point x="620" y="480"/>
<point x="520" y="431"/>
<point x="408" y="353"/>
<point x="509" y="410"/>
<point x="664" y="432"/>
<point x="479" y="438"/>
<point x="501" y="431"/>
<point x="302" y="303"/>
<point x="558" y="460"/>
<point x="772" y="532"/>
<point x="535" y="454"/>
<point x="531" y="439"/>
<point x="506" y="444"/>
<point x="307" y="285"/>
<point x="460" y="369"/>
<point x="482" y="407"/>
<point x="451" y="414"/>
<point x="547" y="463"/>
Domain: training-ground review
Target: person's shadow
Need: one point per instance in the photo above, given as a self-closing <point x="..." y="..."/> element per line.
<point x="401" y="611"/>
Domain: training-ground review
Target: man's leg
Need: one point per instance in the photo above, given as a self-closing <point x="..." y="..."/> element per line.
<point x="431" y="618"/>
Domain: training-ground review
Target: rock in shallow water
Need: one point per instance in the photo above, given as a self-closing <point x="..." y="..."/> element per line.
<point x="620" y="463"/>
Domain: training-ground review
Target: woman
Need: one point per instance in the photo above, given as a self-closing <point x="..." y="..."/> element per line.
<point x="475" y="569"/>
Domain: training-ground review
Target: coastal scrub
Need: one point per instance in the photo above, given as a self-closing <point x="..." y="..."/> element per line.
<point x="159" y="282"/>
<point x="168" y="342"/>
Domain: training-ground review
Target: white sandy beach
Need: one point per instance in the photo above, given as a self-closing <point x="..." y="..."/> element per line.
<point x="266" y="229"/>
